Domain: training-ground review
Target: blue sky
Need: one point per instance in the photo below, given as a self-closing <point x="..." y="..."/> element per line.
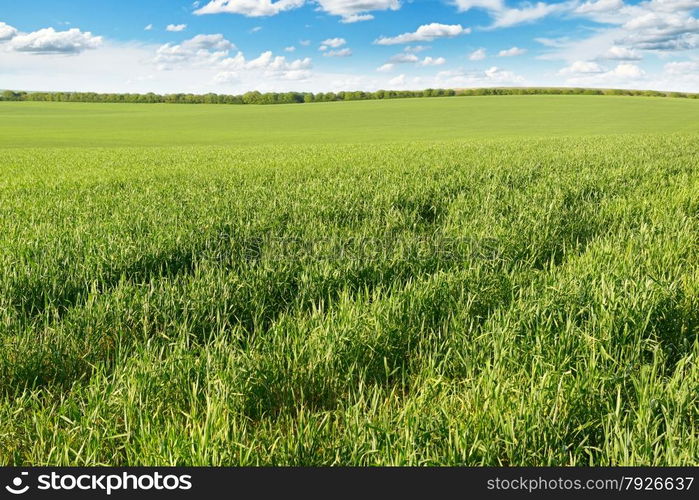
<point x="231" y="46"/>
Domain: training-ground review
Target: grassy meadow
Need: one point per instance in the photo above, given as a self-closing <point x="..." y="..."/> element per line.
<point x="506" y="280"/>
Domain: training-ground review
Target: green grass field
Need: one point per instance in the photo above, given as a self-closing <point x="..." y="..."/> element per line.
<point x="508" y="280"/>
<point x="30" y="124"/>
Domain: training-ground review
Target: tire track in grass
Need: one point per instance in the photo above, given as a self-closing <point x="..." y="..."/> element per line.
<point x="263" y="401"/>
<point x="251" y="311"/>
<point x="104" y="349"/>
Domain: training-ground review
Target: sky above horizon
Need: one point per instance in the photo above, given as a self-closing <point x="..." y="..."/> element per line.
<point x="232" y="46"/>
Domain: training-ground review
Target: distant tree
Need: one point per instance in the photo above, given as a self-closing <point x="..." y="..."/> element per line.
<point x="255" y="97"/>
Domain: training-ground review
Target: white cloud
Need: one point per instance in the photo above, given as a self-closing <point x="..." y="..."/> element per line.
<point x="430" y="61"/>
<point x="227" y="77"/>
<point x="208" y="42"/>
<point x="404" y="57"/>
<point x="199" y="50"/>
<point x="346" y="52"/>
<point x="504" y="16"/>
<point x="498" y="75"/>
<point x="631" y="31"/>
<point x="511" y="17"/>
<point x="622" y="74"/>
<point x="682" y="68"/>
<point x="596" y="6"/>
<point x="7" y="31"/>
<point x="305" y="43"/>
<point x="650" y="25"/>
<point x="464" y="5"/>
<point x="355" y="18"/>
<point x="350" y="11"/>
<point x="290" y="48"/>
<point x="255" y="29"/>
<point x="398" y="81"/>
<point x="267" y="65"/>
<point x="477" y="55"/>
<point x="384" y="68"/>
<point x="266" y="61"/>
<point x="249" y="8"/>
<point x="621" y="54"/>
<point x="674" y="5"/>
<point x="235" y="69"/>
<point x="148" y="27"/>
<point x="581" y="68"/>
<point x="493" y="76"/>
<point x="176" y="27"/>
<point x="627" y="70"/>
<point x="511" y="52"/>
<point x="663" y="31"/>
<point x="332" y="43"/>
<point x="130" y="67"/>
<point x="426" y="33"/>
<point x="50" y="41"/>
<point x="462" y="78"/>
<point x="415" y="48"/>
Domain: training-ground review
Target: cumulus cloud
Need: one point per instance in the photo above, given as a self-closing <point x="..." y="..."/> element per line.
<point x="398" y="81"/>
<point x="682" y="68"/>
<point x="426" y="33"/>
<point x="511" y="17"/>
<point x="148" y="27"/>
<point x="464" y="5"/>
<point x="355" y="18"/>
<point x="6" y="31"/>
<point x="477" y="55"/>
<point x="404" y="57"/>
<point x="432" y="61"/>
<point x="623" y="73"/>
<point x="385" y="68"/>
<point x="227" y="77"/>
<point x="176" y="27"/>
<point x="663" y="31"/>
<point x="266" y="64"/>
<point x="201" y="49"/>
<point x="208" y="42"/>
<point x="409" y="57"/>
<point x="504" y="16"/>
<point x="290" y="48"/>
<point x="50" y="41"/>
<point x="416" y="48"/>
<point x="631" y="30"/>
<point x="581" y="68"/>
<point x="249" y="8"/>
<point x="346" y="52"/>
<point x="493" y="76"/>
<point x="332" y="43"/>
<point x="621" y="54"/>
<point x="352" y="11"/>
<point x="627" y="70"/>
<point x="596" y="6"/>
<point x="349" y="11"/>
<point x="499" y="75"/>
<point x="511" y="52"/>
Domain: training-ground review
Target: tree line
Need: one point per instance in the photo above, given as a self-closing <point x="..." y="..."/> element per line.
<point x="255" y="97"/>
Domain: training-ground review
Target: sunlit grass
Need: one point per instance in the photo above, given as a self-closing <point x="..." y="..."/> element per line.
<point x="491" y="302"/>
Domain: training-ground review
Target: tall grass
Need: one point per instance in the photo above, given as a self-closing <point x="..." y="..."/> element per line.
<point x="500" y="302"/>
